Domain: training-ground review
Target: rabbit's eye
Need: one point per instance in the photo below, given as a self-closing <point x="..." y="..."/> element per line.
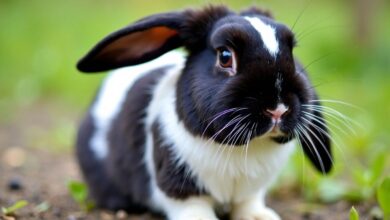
<point x="225" y="57"/>
<point x="226" y="60"/>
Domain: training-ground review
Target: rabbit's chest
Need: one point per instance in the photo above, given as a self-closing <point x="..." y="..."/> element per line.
<point x="227" y="173"/>
<point x="238" y="173"/>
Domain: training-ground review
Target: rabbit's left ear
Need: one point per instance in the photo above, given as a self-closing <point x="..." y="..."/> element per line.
<point x="315" y="141"/>
<point x="135" y="44"/>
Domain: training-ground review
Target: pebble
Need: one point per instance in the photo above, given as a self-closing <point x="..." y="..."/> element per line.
<point x="57" y="212"/>
<point x="14" y="157"/>
<point x="5" y="217"/>
<point x="376" y="213"/>
<point x="121" y="214"/>
<point x="106" y="216"/>
<point x="72" y="217"/>
<point x="15" y="184"/>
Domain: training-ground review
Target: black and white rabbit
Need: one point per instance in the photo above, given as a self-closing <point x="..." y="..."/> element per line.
<point x="184" y="134"/>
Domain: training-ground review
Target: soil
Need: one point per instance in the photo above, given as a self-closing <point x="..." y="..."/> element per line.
<point x="39" y="174"/>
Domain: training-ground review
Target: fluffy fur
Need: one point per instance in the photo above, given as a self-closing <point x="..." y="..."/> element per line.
<point x="181" y="135"/>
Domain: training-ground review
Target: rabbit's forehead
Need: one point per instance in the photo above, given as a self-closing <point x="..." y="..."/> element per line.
<point x="267" y="33"/>
<point x="257" y="32"/>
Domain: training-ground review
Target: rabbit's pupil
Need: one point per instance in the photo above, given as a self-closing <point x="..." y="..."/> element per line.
<point x="225" y="58"/>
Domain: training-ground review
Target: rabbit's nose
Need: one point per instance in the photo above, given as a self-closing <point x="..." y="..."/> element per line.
<point x="277" y="113"/>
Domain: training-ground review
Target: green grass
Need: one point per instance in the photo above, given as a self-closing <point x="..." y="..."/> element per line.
<point x="79" y="193"/>
<point x="42" y="40"/>
<point x="15" y="207"/>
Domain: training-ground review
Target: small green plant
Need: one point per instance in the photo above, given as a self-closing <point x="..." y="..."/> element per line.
<point x="42" y="207"/>
<point x="16" y="206"/>
<point x="364" y="182"/>
<point x="353" y="214"/>
<point x="79" y="192"/>
<point x="383" y="195"/>
<point x="367" y="179"/>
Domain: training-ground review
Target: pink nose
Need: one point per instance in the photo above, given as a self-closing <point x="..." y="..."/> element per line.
<point x="278" y="112"/>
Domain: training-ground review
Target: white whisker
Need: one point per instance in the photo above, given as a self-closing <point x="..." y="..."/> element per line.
<point x="313" y="147"/>
<point x="334" y="114"/>
<point x="319" y="140"/>
<point x="317" y="119"/>
<point x="337" y="102"/>
<point x="333" y="140"/>
<point x="227" y="137"/>
<point x="238" y="134"/>
<point x="252" y="130"/>
<point x="218" y="115"/>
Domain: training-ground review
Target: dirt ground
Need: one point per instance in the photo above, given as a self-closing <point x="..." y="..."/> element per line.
<point x="41" y="174"/>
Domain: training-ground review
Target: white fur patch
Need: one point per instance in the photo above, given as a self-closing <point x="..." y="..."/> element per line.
<point x="112" y="95"/>
<point x="267" y="34"/>
<point x="194" y="208"/>
<point x="166" y="85"/>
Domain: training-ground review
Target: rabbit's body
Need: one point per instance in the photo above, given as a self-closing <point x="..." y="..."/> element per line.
<point x="183" y="134"/>
<point x="230" y="175"/>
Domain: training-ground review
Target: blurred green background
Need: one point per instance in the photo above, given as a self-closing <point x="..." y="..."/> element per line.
<point x="344" y="44"/>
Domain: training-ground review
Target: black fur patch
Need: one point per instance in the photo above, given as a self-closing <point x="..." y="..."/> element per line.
<point x="198" y="23"/>
<point x="256" y="11"/>
<point x="175" y="180"/>
<point x="127" y="140"/>
<point x="105" y="193"/>
<point x="317" y="146"/>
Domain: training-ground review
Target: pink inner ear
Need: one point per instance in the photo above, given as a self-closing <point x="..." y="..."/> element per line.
<point x="135" y="45"/>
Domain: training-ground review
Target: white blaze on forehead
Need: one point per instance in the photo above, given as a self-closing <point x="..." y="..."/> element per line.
<point x="267" y="34"/>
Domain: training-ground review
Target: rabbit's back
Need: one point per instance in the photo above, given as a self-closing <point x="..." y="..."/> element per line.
<point x="114" y="128"/>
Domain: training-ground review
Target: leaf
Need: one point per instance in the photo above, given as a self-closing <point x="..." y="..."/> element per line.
<point x="78" y="190"/>
<point x="42" y="207"/>
<point x="377" y="167"/>
<point x="353" y="214"/>
<point x="12" y="209"/>
<point x="89" y="205"/>
<point x="331" y="190"/>
<point x="383" y="195"/>
<point x="361" y="175"/>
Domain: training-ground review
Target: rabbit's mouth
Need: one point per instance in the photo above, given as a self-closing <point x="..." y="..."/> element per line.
<point x="241" y="129"/>
<point x="282" y="139"/>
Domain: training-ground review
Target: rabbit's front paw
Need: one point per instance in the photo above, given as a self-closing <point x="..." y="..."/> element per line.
<point x="197" y="216"/>
<point x="195" y="208"/>
<point x="258" y="214"/>
<point x="253" y="210"/>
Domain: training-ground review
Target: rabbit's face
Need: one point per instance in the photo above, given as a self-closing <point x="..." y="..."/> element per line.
<point x="244" y="84"/>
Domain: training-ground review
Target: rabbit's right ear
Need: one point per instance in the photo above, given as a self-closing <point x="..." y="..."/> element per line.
<point x="135" y="44"/>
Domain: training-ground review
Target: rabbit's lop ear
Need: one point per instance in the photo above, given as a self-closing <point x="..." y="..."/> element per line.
<point x="135" y="44"/>
<point x="315" y="141"/>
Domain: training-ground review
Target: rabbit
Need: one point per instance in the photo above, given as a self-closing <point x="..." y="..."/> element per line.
<point x="186" y="132"/>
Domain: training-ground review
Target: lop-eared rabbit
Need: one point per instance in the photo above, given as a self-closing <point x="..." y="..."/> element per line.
<point x="183" y="133"/>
